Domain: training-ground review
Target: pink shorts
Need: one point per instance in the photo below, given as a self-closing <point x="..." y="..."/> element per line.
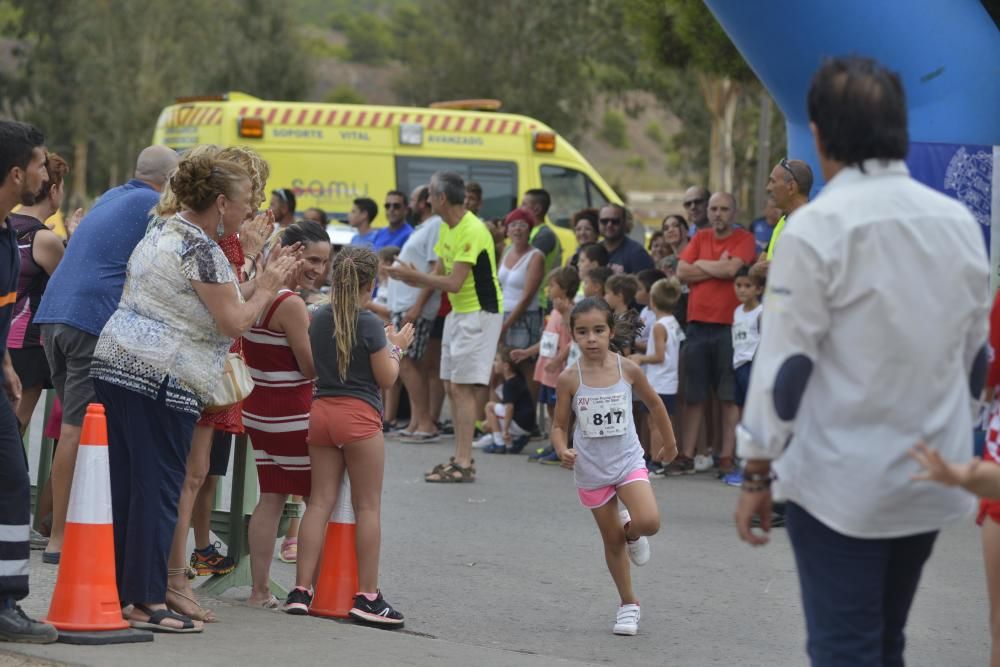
<point x="594" y="498"/>
<point x="335" y="421"/>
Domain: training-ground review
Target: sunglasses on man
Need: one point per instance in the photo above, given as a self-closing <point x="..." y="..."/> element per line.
<point x="610" y="221"/>
<point x="786" y="165"/>
<point x="392" y="205"/>
<point x="693" y="202"/>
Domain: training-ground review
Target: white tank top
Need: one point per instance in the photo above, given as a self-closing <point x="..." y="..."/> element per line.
<point x="746" y="334"/>
<point x="663" y="376"/>
<point x="607" y="446"/>
<point x="512" y="281"/>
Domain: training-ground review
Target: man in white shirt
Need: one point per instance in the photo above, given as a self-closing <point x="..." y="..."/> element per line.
<point x="872" y="340"/>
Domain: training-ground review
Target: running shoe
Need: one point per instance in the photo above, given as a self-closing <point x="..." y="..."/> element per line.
<point x="494" y="448"/>
<point x="638" y="550"/>
<point x="375" y="612"/>
<point x="735" y="478"/>
<point x="540" y="452"/>
<point x="550" y="459"/>
<point x="483" y="442"/>
<point x="654" y="467"/>
<point x="680" y="466"/>
<point x="627" y="621"/>
<point x="518" y="444"/>
<point x="209" y="561"/>
<point x="298" y="602"/>
<point x="703" y="463"/>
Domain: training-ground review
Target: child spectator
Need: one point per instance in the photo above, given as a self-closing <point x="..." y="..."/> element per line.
<point x="589" y="257"/>
<point x="661" y="360"/>
<point x="593" y="284"/>
<point x="380" y="300"/>
<point x="510" y="421"/>
<point x="646" y="280"/>
<point x="553" y="349"/>
<point x="619" y="292"/>
<point x="746" y="336"/>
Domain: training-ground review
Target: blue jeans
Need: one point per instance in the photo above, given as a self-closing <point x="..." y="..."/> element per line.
<point x="856" y="593"/>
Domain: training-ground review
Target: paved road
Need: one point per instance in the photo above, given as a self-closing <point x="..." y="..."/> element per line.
<point x="510" y="571"/>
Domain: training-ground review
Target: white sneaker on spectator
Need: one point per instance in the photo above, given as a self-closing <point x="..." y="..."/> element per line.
<point x="483" y="441"/>
<point x="703" y="463"/>
<point x="627" y="622"/>
<point x="638" y="550"/>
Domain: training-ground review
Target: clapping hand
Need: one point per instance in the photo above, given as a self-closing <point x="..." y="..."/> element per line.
<point x="255" y="233"/>
<point x="406" y="272"/>
<point x="401" y="338"/>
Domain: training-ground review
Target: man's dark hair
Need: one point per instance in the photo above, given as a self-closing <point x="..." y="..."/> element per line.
<point x="17" y="142"/>
<point x="542" y="197"/>
<point x="287" y="196"/>
<point x="474" y="188"/>
<point x="397" y="193"/>
<point x="368" y="206"/>
<point x="859" y="109"/>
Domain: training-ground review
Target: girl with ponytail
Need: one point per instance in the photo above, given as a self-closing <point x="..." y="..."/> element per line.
<point x="356" y="358"/>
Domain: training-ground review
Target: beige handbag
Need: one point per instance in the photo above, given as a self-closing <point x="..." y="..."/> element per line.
<point x="235" y="385"/>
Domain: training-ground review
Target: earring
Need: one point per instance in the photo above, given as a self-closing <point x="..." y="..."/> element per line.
<point x="220" y="229"/>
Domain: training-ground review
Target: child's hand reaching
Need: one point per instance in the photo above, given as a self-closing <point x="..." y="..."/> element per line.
<point x="938" y="470"/>
<point x="568" y="458"/>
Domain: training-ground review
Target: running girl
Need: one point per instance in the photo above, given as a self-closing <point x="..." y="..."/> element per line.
<point x="354" y="362"/>
<point x="607" y="457"/>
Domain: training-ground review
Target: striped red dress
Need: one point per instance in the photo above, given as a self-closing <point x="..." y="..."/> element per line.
<point x="276" y="414"/>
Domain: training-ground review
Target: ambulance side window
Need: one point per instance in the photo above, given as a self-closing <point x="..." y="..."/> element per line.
<point x="499" y="179"/>
<point x="570" y="190"/>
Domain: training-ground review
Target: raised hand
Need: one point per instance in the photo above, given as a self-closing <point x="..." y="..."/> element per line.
<point x="401" y="338"/>
<point x="255" y="233"/>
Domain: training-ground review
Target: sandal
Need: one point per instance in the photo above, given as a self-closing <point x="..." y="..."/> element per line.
<point x="156" y="618"/>
<point x="270" y="603"/>
<point x="441" y="466"/>
<point x="289" y="550"/>
<point x="453" y="474"/>
<point x="202" y="614"/>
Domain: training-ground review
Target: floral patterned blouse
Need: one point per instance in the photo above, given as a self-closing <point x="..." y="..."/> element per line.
<point x="162" y="335"/>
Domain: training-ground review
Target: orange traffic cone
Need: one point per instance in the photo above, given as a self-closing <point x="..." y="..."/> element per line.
<point x="85" y="606"/>
<point x="338" y="572"/>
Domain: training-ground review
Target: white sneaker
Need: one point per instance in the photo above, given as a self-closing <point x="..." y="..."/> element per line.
<point x="703" y="463"/>
<point x="484" y="441"/>
<point x="638" y="551"/>
<point x="627" y="622"/>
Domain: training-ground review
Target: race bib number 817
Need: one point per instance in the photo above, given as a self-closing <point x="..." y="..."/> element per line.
<point x="603" y="416"/>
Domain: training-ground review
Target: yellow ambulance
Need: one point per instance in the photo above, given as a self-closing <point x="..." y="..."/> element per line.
<point x="331" y="154"/>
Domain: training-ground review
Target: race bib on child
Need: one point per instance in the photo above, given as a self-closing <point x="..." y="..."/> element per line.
<point x="741" y="332"/>
<point x="549" y="345"/>
<point x="574" y="355"/>
<point x="603" y="416"/>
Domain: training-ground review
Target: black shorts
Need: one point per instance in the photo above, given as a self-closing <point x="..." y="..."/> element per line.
<point x="437" y="331"/>
<point x="31" y="366"/>
<point x="741" y="377"/>
<point x="70" y="351"/>
<point x="708" y="362"/>
<point x="218" y="458"/>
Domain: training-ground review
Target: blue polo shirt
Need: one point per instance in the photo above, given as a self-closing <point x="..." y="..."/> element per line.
<point x="367" y="240"/>
<point x="85" y="289"/>
<point x="388" y="236"/>
<point x="630" y="257"/>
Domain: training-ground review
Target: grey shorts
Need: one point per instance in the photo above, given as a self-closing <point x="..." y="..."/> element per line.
<point x="69" y="352"/>
<point x="421" y="334"/>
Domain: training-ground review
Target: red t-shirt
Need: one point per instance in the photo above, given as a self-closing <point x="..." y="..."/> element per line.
<point x="715" y="300"/>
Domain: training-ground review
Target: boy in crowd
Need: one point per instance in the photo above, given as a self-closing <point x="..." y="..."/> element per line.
<point x="749" y="286"/>
<point x="509" y="421"/>
<point x="593" y="284"/>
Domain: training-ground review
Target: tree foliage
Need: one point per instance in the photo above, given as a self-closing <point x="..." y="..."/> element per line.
<point x="94" y="75"/>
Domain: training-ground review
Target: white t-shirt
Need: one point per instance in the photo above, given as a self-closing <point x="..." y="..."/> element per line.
<point x="419" y="251"/>
<point x="746" y="334"/>
<point x="663" y="376"/>
<point x="648" y="319"/>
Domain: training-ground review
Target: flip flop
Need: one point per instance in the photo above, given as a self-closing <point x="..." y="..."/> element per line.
<point x="203" y="615"/>
<point x="156" y="618"/>
<point x="418" y="437"/>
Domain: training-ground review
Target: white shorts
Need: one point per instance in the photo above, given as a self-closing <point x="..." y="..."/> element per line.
<point x="468" y="346"/>
<point x="500" y="410"/>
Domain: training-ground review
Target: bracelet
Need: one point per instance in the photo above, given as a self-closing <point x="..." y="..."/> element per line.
<point x="253" y="271"/>
<point x="758" y="477"/>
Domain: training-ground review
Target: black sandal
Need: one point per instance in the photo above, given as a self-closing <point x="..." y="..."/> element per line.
<point x="156" y="618"/>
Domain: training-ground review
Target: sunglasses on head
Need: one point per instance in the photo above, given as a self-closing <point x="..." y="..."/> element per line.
<point x="784" y="164"/>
